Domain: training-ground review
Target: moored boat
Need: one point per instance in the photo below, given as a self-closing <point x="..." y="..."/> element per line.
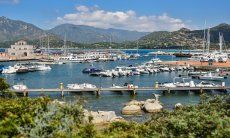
<point x="211" y="77"/>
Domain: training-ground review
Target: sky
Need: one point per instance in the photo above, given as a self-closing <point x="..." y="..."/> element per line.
<point x="138" y="15"/>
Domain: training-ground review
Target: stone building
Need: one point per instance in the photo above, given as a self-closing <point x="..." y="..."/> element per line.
<point x="21" y="49"/>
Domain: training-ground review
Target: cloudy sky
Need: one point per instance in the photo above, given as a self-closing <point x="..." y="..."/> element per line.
<point x="139" y="15"/>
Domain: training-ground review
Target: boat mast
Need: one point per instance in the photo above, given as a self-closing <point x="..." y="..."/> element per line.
<point x="64" y="47"/>
<point x="221" y="42"/>
<point x="137" y="46"/>
<point x="208" y="40"/>
<point x="48" y="47"/>
<point x="204" y="38"/>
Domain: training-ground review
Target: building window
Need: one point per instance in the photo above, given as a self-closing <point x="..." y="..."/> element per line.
<point x="19" y="48"/>
<point x="25" y="48"/>
<point x="13" y="54"/>
<point x="13" y="47"/>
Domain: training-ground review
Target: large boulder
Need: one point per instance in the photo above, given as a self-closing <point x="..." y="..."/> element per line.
<point x="131" y="110"/>
<point x="152" y="107"/>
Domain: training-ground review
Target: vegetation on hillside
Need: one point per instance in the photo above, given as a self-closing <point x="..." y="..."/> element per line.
<point x="41" y="117"/>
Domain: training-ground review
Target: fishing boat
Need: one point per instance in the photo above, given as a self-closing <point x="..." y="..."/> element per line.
<point x="211" y="77"/>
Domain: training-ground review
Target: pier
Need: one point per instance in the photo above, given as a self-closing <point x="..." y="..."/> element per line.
<point x="133" y="91"/>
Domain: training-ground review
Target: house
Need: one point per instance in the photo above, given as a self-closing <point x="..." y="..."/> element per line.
<point x="21" y="49"/>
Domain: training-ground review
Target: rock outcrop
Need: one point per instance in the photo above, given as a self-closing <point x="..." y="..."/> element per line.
<point x="135" y="107"/>
<point x="131" y="110"/>
<point x="101" y="117"/>
<point x="152" y="107"/>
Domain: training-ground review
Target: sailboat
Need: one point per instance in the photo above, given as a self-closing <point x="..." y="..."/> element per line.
<point x="137" y="54"/>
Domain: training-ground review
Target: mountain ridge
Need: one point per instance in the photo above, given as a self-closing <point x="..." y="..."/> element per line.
<point x="185" y="37"/>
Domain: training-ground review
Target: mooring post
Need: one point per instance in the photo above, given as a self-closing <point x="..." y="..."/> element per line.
<point x="134" y="91"/>
<point x="156" y="85"/>
<point x="98" y="92"/>
<point x="62" y="89"/>
<point x="201" y="90"/>
<point x="168" y="90"/>
<point x="25" y="93"/>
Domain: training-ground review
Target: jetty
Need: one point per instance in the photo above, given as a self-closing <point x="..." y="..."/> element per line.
<point x="199" y="65"/>
<point x="132" y="91"/>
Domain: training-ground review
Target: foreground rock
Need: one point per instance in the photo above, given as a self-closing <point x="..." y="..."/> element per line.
<point x="178" y="105"/>
<point x="101" y="117"/>
<point x="135" y="107"/>
<point x="152" y="107"/>
<point x="131" y="110"/>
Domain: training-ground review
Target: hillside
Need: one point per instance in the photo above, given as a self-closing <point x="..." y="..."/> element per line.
<point x="11" y="30"/>
<point x="184" y="37"/>
<point x="88" y="34"/>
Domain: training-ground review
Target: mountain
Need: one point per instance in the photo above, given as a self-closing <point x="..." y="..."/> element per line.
<point x="88" y="34"/>
<point x="11" y="30"/>
<point x="185" y="37"/>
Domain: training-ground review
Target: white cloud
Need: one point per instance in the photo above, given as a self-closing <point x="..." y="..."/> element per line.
<point x="94" y="16"/>
<point x="82" y="8"/>
<point x="10" y="1"/>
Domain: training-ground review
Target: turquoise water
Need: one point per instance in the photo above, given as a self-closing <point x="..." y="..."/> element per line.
<point x="72" y="73"/>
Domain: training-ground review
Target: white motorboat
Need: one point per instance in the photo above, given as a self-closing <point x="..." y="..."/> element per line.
<point x="43" y="67"/>
<point x="156" y="60"/>
<point x="206" y="84"/>
<point x="77" y="86"/>
<point x="168" y="85"/>
<point x="136" y="73"/>
<point x="9" y="70"/>
<point x="211" y="77"/>
<point x="178" y="83"/>
<point x="179" y="68"/>
<point x="142" y="71"/>
<point x="106" y="73"/>
<point x="165" y="69"/>
<point x="130" y="86"/>
<point x="19" y="87"/>
<point x="196" y="73"/>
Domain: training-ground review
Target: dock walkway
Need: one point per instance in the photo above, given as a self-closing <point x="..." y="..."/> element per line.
<point x="132" y="90"/>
